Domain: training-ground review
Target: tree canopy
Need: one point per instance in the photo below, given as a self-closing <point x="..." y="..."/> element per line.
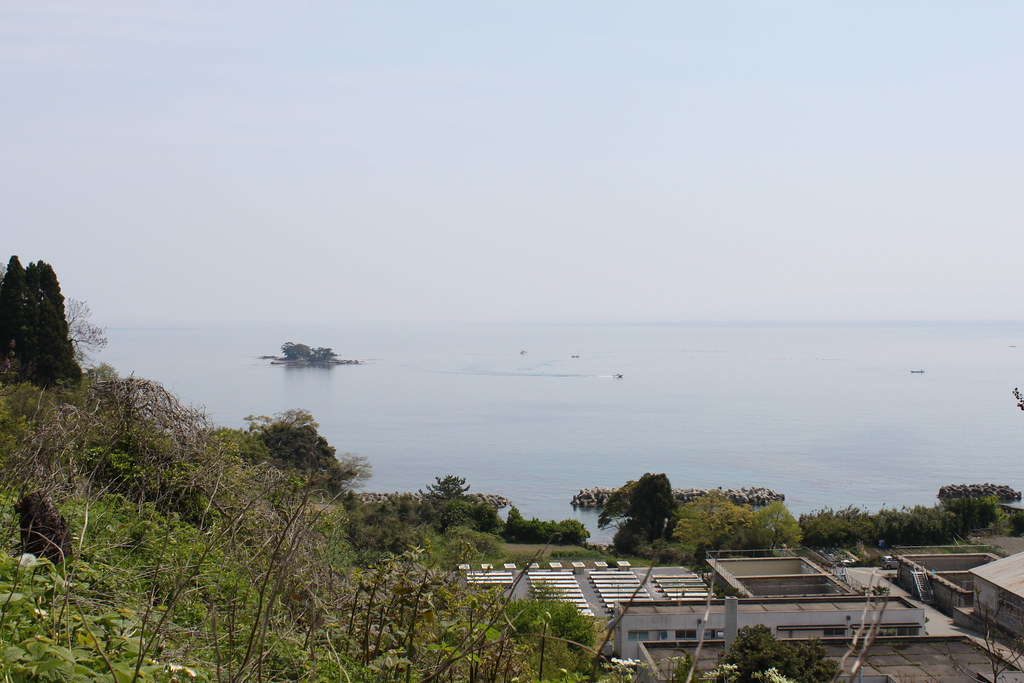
<point x="301" y="352"/>
<point x="448" y="487"/>
<point x="643" y="511"/>
<point x="773" y="526"/>
<point x="292" y="442"/>
<point x="711" y="521"/>
<point x="34" y="337"/>
<point x="755" y="650"/>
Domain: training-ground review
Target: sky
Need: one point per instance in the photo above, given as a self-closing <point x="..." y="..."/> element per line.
<point x="589" y="161"/>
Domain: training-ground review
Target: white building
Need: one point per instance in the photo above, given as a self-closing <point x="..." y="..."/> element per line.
<point x="817" y="617"/>
<point x="999" y="592"/>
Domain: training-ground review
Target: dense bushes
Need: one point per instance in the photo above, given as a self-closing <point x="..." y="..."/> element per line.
<point x="557" y="634"/>
<point x="919" y="525"/>
<point x="521" y="530"/>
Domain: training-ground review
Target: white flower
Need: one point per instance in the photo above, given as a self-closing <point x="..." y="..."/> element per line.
<point x="28" y="560"/>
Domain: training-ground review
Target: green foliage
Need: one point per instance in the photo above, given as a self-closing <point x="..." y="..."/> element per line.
<point x="472" y="514"/>
<point x="755" y="650"/>
<point x="643" y="510"/>
<point x="449" y="487"/>
<point x="521" y="530"/>
<point x="974" y="513"/>
<point x="294" y="445"/>
<point x="828" y="527"/>
<point x="301" y="352"/>
<point x="461" y="544"/>
<point x="48" y="639"/>
<point x="918" y="525"/>
<point x="681" y="666"/>
<point x="1017" y="523"/>
<point x="545" y="624"/>
<point x="16" y="316"/>
<point x="33" y="329"/>
<point x="711" y="521"/>
<point x="772" y="526"/>
<point x="54" y="352"/>
<point x="373" y="530"/>
<point x="195" y="559"/>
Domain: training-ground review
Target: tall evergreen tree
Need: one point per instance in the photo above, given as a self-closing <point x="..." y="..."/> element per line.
<point x="55" y="354"/>
<point x="33" y="328"/>
<point x="15" y="319"/>
<point x="27" y="352"/>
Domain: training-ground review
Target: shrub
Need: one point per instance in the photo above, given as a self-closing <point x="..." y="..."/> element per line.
<point x="521" y="530"/>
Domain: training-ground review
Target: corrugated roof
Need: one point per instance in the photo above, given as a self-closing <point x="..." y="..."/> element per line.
<point x="1007" y="573"/>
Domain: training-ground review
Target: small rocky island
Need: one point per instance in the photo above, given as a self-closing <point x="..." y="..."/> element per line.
<point x="758" y="496"/>
<point x="300" y="355"/>
<point x="1004" y="493"/>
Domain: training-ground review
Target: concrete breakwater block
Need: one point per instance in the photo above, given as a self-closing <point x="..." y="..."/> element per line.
<point x="597" y="496"/>
<point x="1004" y="493"/>
<point x="492" y="499"/>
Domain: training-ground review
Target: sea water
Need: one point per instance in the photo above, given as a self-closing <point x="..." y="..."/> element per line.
<point x="828" y="414"/>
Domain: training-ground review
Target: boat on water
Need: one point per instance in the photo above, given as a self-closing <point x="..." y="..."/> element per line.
<point x="617" y="375"/>
<point x="917" y="372"/>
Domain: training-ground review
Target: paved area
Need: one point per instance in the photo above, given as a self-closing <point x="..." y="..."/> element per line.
<point x="1011" y="545"/>
<point x="936" y="623"/>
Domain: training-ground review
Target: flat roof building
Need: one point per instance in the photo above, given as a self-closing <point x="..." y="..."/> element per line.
<point x="764" y="577"/>
<point x="999" y="593"/>
<point x="926" y="659"/>
<point x="838" y="616"/>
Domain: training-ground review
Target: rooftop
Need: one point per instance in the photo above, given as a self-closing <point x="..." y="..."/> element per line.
<point x="1007" y="573"/>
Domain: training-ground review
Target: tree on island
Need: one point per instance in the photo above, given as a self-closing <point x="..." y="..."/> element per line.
<point x="301" y="352"/>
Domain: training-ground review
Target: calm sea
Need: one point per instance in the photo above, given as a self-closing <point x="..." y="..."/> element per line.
<point x="829" y="415"/>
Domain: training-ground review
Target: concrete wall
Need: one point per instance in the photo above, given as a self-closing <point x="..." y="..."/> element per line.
<point x="792" y="586"/>
<point x="795" y="621"/>
<point x="951" y="562"/>
<point x="762" y="566"/>
<point x="953" y="587"/>
<point x="995" y="604"/>
<point x="768" y="576"/>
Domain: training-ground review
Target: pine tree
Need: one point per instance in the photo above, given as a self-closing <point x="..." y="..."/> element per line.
<point x="15" y="319"/>
<point x="33" y="329"/>
<point x="27" y="352"/>
<point x="55" y="354"/>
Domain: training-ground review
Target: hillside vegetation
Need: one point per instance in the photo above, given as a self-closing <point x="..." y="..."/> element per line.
<point x="200" y="553"/>
<point x="145" y="543"/>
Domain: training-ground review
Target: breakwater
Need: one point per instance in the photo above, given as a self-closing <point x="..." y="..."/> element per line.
<point x="492" y="499"/>
<point x="1004" y="493"/>
<point x="751" y="495"/>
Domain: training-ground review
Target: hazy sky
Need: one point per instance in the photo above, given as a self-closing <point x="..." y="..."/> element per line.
<point x="549" y="161"/>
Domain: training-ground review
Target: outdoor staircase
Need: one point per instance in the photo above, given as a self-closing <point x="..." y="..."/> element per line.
<point x="924" y="586"/>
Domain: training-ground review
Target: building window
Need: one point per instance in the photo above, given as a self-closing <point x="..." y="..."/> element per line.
<point x="686" y="635"/>
<point x="899" y="631"/>
<point x="834" y="632"/>
<point x="639" y="635"/>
